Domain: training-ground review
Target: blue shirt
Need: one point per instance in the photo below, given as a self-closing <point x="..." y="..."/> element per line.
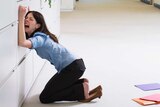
<point x="55" y="53"/>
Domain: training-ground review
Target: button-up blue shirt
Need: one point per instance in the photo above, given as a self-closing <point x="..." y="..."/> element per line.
<point x="55" y="53"/>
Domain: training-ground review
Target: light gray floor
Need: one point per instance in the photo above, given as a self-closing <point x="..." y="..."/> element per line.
<point x="119" y="41"/>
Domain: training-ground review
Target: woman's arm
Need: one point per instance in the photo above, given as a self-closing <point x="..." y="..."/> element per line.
<point x="22" y="41"/>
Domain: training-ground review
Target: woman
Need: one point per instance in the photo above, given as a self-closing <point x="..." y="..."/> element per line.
<point x="66" y="84"/>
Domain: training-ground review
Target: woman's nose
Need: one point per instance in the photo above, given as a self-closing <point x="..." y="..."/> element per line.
<point x="26" y="20"/>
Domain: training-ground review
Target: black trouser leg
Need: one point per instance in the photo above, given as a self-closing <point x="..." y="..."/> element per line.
<point x="62" y="86"/>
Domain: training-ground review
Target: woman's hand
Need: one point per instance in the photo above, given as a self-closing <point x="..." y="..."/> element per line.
<point x="22" y="10"/>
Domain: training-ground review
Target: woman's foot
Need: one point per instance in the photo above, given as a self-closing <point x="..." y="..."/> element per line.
<point x="96" y="94"/>
<point x="99" y="87"/>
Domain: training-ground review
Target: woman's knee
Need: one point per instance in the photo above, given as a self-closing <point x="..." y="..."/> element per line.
<point x="43" y="99"/>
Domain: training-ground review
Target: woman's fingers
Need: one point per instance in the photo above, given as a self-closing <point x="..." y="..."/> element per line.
<point x="22" y="11"/>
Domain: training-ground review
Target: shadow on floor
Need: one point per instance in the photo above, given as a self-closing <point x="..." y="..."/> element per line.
<point x="34" y="102"/>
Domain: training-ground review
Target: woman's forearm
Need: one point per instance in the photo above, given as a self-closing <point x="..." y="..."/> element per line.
<point x="21" y="29"/>
<point x="21" y="32"/>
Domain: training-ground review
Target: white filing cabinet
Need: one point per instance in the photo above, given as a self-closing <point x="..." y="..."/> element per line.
<point x="19" y="67"/>
<point x="25" y="75"/>
<point x="9" y="92"/>
<point x="7" y="10"/>
<point x="16" y="87"/>
<point x="37" y="66"/>
<point x="8" y="53"/>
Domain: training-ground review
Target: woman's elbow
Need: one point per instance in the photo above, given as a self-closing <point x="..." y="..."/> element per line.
<point x="24" y="44"/>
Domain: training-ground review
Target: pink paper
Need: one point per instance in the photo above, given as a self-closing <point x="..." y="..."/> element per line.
<point x="153" y="97"/>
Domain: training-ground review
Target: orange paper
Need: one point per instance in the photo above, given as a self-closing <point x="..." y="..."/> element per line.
<point x="144" y="102"/>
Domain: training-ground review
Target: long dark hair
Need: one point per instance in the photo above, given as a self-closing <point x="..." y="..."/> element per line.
<point x="43" y="27"/>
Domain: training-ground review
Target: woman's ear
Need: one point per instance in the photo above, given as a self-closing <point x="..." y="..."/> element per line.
<point x="38" y="26"/>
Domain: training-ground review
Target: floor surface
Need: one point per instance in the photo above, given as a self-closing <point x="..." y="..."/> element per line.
<point x="119" y="41"/>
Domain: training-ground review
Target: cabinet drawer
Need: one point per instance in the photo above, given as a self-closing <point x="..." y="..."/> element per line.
<point x="25" y="76"/>
<point x="8" y="12"/>
<point x="8" y="53"/>
<point x="9" y="92"/>
<point x="22" y="52"/>
<point x="38" y="64"/>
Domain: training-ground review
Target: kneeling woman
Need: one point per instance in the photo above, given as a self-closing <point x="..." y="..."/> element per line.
<point x="66" y="84"/>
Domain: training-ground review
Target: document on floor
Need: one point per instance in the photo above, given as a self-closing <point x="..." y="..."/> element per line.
<point x="144" y="102"/>
<point x="153" y="97"/>
<point x="147" y="87"/>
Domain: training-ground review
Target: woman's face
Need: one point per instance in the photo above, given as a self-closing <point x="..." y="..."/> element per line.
<point x="30" y="24"/>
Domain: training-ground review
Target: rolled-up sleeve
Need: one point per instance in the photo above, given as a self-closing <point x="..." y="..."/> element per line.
<point x="37" y="41"/>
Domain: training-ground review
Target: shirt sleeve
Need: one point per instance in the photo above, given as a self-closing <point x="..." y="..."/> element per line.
<point x="37" y="41"/>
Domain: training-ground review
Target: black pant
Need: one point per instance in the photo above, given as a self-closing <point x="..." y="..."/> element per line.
<point x="65" y="86"/>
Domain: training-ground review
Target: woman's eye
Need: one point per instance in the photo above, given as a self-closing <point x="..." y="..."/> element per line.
<point x="31" y="19"/>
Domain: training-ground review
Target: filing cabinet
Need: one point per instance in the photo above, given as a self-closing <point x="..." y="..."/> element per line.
<point x="25" y="75"/>
<point x="9" y="92"/>
<point x="8" y="10"/>
<point x="8" y="53"/>
<point x="20" y="66"/>
<point x="37" y="67"/>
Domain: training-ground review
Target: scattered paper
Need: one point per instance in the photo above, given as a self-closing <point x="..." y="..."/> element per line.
<point x="153" y="97"/>
<point x="147" y="87"/>
<point x="144" y="102"/>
